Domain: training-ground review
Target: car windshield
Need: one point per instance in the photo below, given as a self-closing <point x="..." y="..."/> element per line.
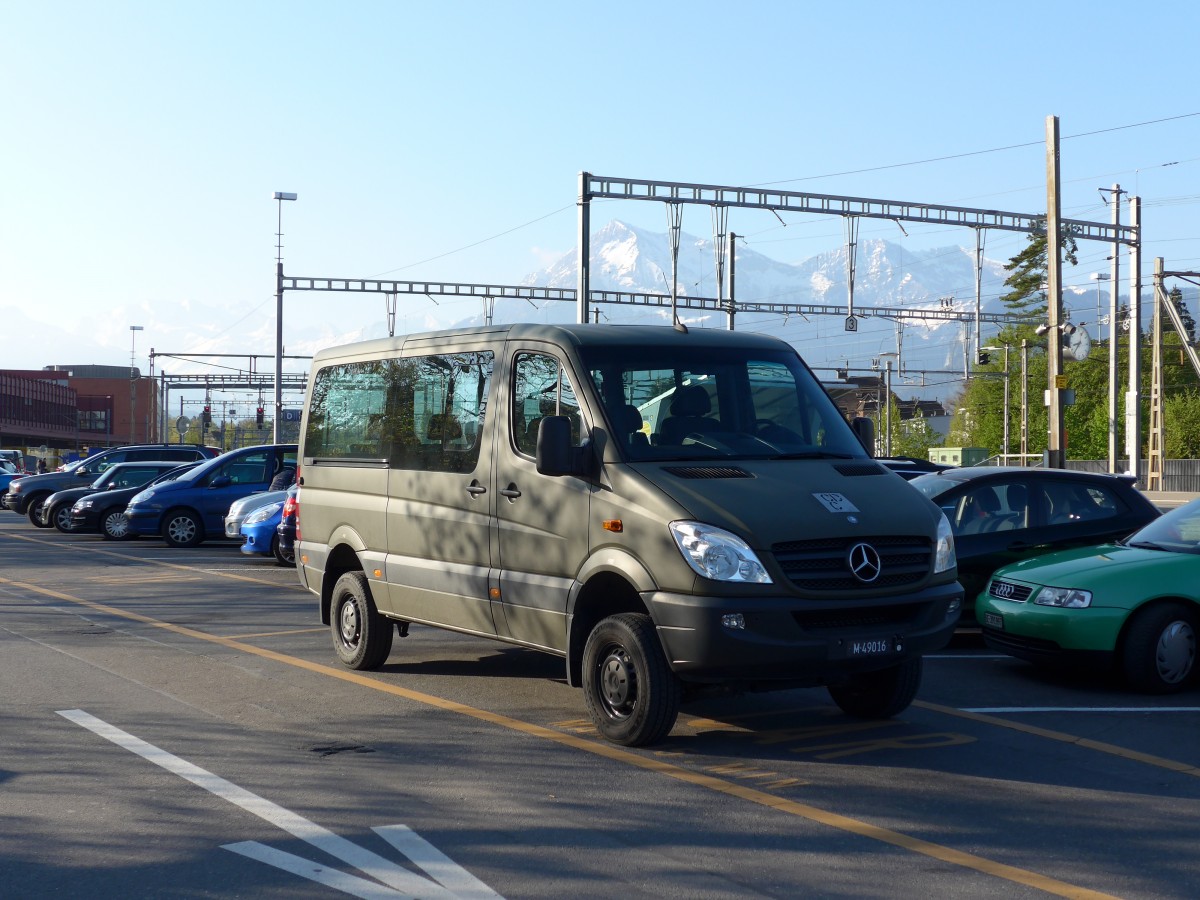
<point x="933" y="485"/>
<point x="1177" y="531"/>
<point x="711" y="403"/>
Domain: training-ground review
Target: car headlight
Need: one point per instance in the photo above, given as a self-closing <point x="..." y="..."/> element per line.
<point x="140" y="497"/>
<point x="717" y="554"/>
<point x="1066" y="598"/>
<point x="83" y="504"/>
<point x="943" y="557"/>
<point x="262" y="514"/>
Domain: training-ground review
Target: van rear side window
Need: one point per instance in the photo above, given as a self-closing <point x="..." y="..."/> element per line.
<point x="423" y="412"/>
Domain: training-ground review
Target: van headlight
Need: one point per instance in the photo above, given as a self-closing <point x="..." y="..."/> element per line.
<point x="943" y="556"/>
<point x="718" y="554"/>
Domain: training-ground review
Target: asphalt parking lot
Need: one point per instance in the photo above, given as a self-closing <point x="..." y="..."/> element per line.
<point x="177" y="725"/>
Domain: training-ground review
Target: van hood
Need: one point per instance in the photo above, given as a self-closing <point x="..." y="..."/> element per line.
<point x="772" y="500"/>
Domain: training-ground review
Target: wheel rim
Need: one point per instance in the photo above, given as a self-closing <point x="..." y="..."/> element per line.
<point x="116" y="525"/>
<point x="618" y="683"/>
<point x="62" y="518"/>
<point x="181" y="529"/>
<point x="1175" y="654"/>
<point x="348" y="626"/>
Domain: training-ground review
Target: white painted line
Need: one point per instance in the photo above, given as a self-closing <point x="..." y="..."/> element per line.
<point x="1081" y="709"/>
<point x="298" y="865"/>
<point x="362" y="859"/>
<point x="435" y="863"/>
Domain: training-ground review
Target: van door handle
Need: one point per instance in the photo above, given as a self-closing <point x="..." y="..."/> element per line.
<point x="511" y="492"/>
<point x="475" y="489"/>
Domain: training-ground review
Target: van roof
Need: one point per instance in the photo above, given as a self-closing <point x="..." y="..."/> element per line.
<point x="575" y="335"/>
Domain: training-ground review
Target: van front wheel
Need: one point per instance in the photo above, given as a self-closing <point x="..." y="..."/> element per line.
<point x="631" y="693"/>
<point x="882" y="694"/>
<point x="362" y="638"/>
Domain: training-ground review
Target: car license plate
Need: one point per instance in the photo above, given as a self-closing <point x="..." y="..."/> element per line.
<point x="993" y="620"/>
<point x="870" y="647"/>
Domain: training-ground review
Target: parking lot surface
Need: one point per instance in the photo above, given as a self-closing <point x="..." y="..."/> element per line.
<point x="176" y="725"/>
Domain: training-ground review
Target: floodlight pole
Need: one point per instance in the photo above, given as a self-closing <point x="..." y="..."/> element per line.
<point x="280" y="196"/>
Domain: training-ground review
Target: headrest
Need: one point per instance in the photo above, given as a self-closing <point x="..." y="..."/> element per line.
<point x="691" y="400"/>
<point x="629" y="419"/>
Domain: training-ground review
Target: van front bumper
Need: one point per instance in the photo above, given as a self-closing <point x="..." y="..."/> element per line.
<point x="784" y="638"/>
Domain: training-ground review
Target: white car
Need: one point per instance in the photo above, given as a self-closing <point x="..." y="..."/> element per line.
<point x="239" y="509"/>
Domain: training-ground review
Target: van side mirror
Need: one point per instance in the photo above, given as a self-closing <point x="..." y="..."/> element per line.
<point x="220" y="481"/>
<point x="864" y="429"/>
<point x="556" y="455"/>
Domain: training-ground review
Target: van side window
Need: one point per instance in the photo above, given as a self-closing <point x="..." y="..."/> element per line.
<point x="437" y="405"/>
<point x="541" y="387"/>
<point x="346" y="414"/>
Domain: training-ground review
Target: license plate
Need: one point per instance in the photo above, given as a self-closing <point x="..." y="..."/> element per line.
<point x="993" y="620"/>
<point x="870" y="647"/>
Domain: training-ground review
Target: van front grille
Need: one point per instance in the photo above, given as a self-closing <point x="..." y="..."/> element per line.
<point x="823" y="564"/>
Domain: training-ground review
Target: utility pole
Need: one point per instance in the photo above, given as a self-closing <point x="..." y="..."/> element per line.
<point x="1024" y="400"/>
<point x="1114" y="334"/>
<point x="1056" y="456"/>
<point x="1133" y="400"/>
<point x="732" y="262"/>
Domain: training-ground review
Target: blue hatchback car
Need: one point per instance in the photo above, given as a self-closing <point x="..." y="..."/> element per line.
<point x="258" y="531"/>
<point x="192" y="507"/>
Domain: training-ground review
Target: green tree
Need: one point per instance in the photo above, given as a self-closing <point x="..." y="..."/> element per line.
<point x="1028" y="272"/>
<point x="1189" y="324"/>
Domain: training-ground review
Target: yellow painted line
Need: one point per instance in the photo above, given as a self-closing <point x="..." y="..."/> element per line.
<point x="1099" y="746"/>
<point x="263" y="634"/>
<point x="618" y="754"/>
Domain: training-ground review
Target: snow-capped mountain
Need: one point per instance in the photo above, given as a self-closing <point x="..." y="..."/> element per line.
<point x="626" y="258"/>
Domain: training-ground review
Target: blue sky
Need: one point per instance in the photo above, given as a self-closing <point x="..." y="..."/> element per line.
<point x="442" y="142"/>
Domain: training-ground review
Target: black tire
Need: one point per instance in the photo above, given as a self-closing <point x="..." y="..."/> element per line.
<point x="182" y="528"/>
<point x="281" y="558"/>
<point x="881" y="694"/>
<point x="631" y="693"/>
<point x="59" y="516"/>
<point x="1158" y="655"/>
<point x="362" y="638"/>
<point x="34" y="511"/>
<point x="113" y="524"/>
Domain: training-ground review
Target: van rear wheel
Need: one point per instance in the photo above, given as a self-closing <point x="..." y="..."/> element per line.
<point x="631" y="693"/>
<point x="362" y="638"/>
<point x="881" y="694"/>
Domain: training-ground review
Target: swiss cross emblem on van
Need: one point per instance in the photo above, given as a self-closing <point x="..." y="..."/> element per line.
<point x="835" y="503"/>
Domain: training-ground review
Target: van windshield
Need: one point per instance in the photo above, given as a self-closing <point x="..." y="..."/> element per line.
<point x="708" y="403"/>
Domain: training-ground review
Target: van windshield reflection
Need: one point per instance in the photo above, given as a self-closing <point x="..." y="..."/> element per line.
<point x="735" y="403"/>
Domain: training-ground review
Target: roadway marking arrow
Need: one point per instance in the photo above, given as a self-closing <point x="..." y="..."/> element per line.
<point x="451" y="881"/>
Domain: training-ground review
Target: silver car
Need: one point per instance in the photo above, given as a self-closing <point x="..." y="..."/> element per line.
<point x="239" y="509"/>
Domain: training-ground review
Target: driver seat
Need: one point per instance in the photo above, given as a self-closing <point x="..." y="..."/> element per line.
<point x="689" y="412"/>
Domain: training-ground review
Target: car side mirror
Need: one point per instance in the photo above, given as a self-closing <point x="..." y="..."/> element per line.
<point x="556" y="455"/>
<point x="220" y="481"/>
<point x="864" y="429"/>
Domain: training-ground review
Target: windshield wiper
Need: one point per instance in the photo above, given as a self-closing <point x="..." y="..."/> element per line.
<point x="1146" y="545"/>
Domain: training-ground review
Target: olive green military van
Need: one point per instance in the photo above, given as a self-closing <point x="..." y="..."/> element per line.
<point x="669" y="511"/>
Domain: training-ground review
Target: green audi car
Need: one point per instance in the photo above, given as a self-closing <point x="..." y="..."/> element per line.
<point x="1133" y="605"/>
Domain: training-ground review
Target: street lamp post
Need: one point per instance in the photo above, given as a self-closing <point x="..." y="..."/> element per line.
<point x="280" y="196"/>
<point x="133" y="330"/>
